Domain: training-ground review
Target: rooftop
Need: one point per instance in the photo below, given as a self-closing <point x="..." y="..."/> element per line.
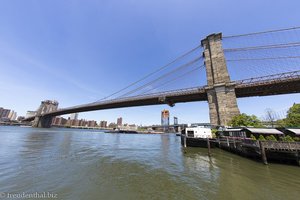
<point x="294" y="130"/>
<point x="264" y="131"/>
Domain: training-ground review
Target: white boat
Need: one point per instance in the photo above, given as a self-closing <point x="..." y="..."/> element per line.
<point x="196" y="136"/>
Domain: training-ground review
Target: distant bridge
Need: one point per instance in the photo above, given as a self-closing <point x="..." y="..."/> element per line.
<point x="220" y="91"/>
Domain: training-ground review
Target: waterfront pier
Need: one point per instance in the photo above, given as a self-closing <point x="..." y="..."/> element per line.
<point x="278" y="151"/>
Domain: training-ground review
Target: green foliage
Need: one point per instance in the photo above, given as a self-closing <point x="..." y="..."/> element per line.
<point x="252" y="137"/>
<point x="287" y="139"/>
<point x="281" y="123"/>
<point x="261" y="138"/>
<point x="293" y="116"/>
<point x="296" y="139"/>
<point x="245" y="120"/>
<point x="214" y="131"/>
<point x="271" y="138"/>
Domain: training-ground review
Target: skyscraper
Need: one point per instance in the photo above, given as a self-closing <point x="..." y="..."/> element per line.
<point x="12" y="115"/>
<point x="165" y="118"/>
<point x="5" y="113"/>
<point x="119" y="121"/>
<point x="74" y="116"/>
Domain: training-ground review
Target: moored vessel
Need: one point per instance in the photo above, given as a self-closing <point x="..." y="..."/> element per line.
<point x="197" y="137"/>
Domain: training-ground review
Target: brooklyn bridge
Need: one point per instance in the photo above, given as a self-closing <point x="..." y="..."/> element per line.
<point x="222" y="69"/>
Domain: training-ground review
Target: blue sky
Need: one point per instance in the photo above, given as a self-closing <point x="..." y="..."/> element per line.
<point x="81" y="51"/>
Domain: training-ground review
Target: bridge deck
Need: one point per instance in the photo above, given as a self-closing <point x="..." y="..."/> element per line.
<point x="262" y="86"/>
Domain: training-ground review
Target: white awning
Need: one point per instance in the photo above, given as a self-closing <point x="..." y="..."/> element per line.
<point x="265" y="131"/>
<point x="294" y="130"/>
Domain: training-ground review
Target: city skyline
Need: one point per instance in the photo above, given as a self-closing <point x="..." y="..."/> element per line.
<point x="73" y="56"/>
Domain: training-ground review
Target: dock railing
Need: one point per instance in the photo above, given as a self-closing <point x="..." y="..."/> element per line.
<point x="269" y="145"/>
<point x="280" y="145"/>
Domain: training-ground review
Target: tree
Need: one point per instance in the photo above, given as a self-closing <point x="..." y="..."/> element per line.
<point x="245" y="120"/>
<point x="214" y="132"/>
<point x="293" y="116"/>
<point x="281" y="122"/>
<point x="270" y="116"/>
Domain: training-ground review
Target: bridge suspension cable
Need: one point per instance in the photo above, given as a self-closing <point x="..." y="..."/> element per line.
<point x="263" y="32"/>
<point x="262" y="53"/>
<point x="268" y="58"/>
<point x="176" y="78"/>
<point x="152" y="73"/>
<point x="161" y="77"/>
<point x="274" y="46"/>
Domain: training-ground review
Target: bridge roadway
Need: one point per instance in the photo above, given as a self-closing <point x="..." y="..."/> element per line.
<point x="284" y="83"/>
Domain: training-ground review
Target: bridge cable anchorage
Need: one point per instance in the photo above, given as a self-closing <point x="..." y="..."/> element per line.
<point x="161" y="77"/>
<point x="174" y="79"/>
<point x="272" y="46"/>
<point x="152" y="73"/>
<point x="262" y="32"/>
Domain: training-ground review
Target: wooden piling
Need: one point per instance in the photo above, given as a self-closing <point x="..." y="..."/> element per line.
<point x="263" y="153"/>
<point x="184" y="141"/>
<point x="208" y="147"/>
<point x="297" y="158"/>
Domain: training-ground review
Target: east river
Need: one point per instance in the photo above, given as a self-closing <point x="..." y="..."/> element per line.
<point x="88" y="164"/>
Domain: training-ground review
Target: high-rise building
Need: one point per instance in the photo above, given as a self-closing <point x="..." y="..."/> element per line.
<point x="14" y="116"/>
<point x="119" y="121"/>
<point x="1" y="110"/>
<point x="91" y="123"/>
<point x="10" y="115"/>
<point x="59" y="121"/>
<point x="5" y="113"/>
<point x="74" y="116"/>
<point x="103" y="124"/>
<point x="165" y="118"/>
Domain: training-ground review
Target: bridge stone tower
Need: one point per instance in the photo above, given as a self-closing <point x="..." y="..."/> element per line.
<point x="220" y="90"/>
<point x="41" y="121"/>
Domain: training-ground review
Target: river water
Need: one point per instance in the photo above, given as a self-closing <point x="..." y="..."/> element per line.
<point x="89" y="164"/>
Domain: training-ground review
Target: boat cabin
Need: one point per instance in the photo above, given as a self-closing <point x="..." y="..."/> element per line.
<point x="232" y="132"/>
<point x="197" y="132"/>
